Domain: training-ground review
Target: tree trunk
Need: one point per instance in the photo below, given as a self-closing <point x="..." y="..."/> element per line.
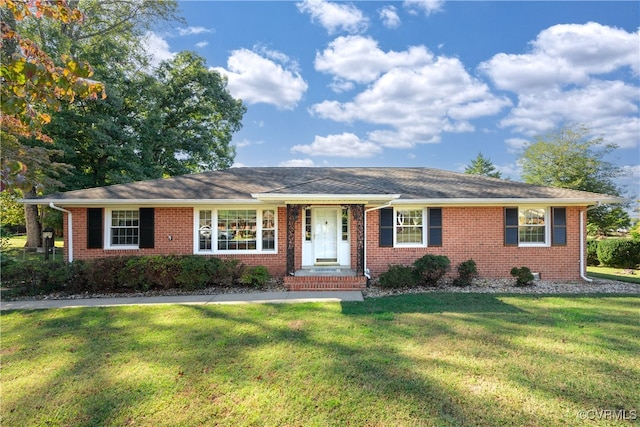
<point x="34" y="226"/>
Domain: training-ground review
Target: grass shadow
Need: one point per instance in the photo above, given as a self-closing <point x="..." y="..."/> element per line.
<point x="430" y="303"/>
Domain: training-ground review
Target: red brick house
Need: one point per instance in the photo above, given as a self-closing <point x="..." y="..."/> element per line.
<point x="324" y="228"/>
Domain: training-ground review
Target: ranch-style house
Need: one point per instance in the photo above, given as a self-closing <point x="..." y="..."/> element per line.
<point x="326" y="228"/>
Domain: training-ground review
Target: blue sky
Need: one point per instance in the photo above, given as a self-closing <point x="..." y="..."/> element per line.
<point x="418" y="83"/>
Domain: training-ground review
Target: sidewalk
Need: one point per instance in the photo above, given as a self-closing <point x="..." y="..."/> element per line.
<point x="248" y="298"/>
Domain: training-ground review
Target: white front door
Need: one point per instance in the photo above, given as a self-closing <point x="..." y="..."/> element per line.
<point x="325" y="235"/>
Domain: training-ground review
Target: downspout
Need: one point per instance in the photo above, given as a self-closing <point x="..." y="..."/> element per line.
<point x="583" y="243"/>
<point x="367" y="272"/>
<point x="69" y="229"/>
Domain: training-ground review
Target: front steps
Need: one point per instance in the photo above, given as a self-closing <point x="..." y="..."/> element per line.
<point x="325" y="279"/>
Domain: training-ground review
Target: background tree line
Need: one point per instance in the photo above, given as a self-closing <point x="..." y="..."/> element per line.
<point x="150" y="122"/>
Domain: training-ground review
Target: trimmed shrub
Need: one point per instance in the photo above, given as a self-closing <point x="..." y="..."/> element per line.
<point x="619" y="253"/>
<point x="125" y="274"/>
<point x="198" y="272"/>
<point x="106" y="274"/>
<point x="398" y="276"/>
<point x="592" y="252"/>
<point x="467" y="270"/>
<point x="431" y="268"/>
<point x="255" y="277"/>
<point x="231" y="271"/>
<point x="30" y="277"/>
<point x="523" y="276"/>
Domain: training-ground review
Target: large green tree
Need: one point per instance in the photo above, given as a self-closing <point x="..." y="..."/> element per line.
<point x="482" y="166"/>
<point x="191" y="118"/>
<point x="573" y="158"/>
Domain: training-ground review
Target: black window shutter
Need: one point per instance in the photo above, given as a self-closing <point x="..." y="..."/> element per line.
<point x="511" y="226"/>
<point x="147" y="227"/>
<point x="435" y="227"/>
<point x="386" y="227"/>
<point x="94" y="228"/>
<point x="559" y="224"/>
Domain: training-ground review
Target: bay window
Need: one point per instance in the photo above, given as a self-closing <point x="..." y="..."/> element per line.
<point x="224" y="230"/>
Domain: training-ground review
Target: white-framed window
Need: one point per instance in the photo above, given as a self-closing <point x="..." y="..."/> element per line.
<point x="527" y="226"/>
<point x="409" y="228"/>
<point x="236" y="230"/>
<point x="122" y="228"/>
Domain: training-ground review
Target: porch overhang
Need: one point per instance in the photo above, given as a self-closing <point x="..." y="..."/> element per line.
<point x="342" y="199"/>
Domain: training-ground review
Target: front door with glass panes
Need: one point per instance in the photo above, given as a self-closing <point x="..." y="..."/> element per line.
<point x="326" y="236"/>
<point x="325" y="232"/>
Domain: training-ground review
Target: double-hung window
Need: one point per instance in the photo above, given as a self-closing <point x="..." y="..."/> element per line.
<point x="231" y="230"/>
<point x="535" y="226"/>
<point x="410" y="227"/>
<point x="125" y="228"/>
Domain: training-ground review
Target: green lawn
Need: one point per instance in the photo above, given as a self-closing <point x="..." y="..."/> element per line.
<point x="613" y="274"/>
<point x="429" y="359"/>
<point x="15" y="248"/>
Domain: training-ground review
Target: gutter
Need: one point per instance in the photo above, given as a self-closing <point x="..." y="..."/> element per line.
<point x="69" y="229"/>
<point x="583" y="243"/>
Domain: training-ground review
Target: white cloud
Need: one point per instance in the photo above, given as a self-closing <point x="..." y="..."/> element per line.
<point x="188" y="31"/>
<point x="416" y="104"/>
<point x="426" y="6"/>
<point x="516" y="145"/>
<point x="389" y="17"/>
<point x="631" y="171"/>
<point x="565" y="79"/>
<point x="564" y="55"/>
<point x="359" y="59"/>
<point x="256" y="79"/>
<point x="202" y="44"/>
<point x="157" y="48"/>
<point x="297" y="163"/>
<point x="335" y="17"/>
<point x="609" y="108"/>
<point x="338" y="85"/>
<point x="243" y="143"/>
<point x="343" y="145"/>
<point x="277" y="56"/>
<point x="592" y="47"/>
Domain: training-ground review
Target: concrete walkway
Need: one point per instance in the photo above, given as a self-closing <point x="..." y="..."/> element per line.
<point x="248" y="298"/>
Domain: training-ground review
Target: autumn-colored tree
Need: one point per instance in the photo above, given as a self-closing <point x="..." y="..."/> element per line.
<point x="33" y="85"/>
<point x="31" y="81"/>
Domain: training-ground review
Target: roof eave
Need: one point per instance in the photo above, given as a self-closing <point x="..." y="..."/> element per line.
<point x="262" y="198"/>
<point x="139" y="202"/>
<point x="563" y="201"/>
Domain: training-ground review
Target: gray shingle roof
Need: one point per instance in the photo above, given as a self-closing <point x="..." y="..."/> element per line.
<point x="238" y="184"/>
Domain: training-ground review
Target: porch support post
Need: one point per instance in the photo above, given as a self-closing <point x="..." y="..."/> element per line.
<point x="358" y="215"/>
<point x="293" y="212"/>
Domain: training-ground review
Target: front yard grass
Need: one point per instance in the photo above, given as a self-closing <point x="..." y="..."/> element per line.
<point x="428" y="359"/>
<point x="15" y="248"/>
<point x="610" y="273"/>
